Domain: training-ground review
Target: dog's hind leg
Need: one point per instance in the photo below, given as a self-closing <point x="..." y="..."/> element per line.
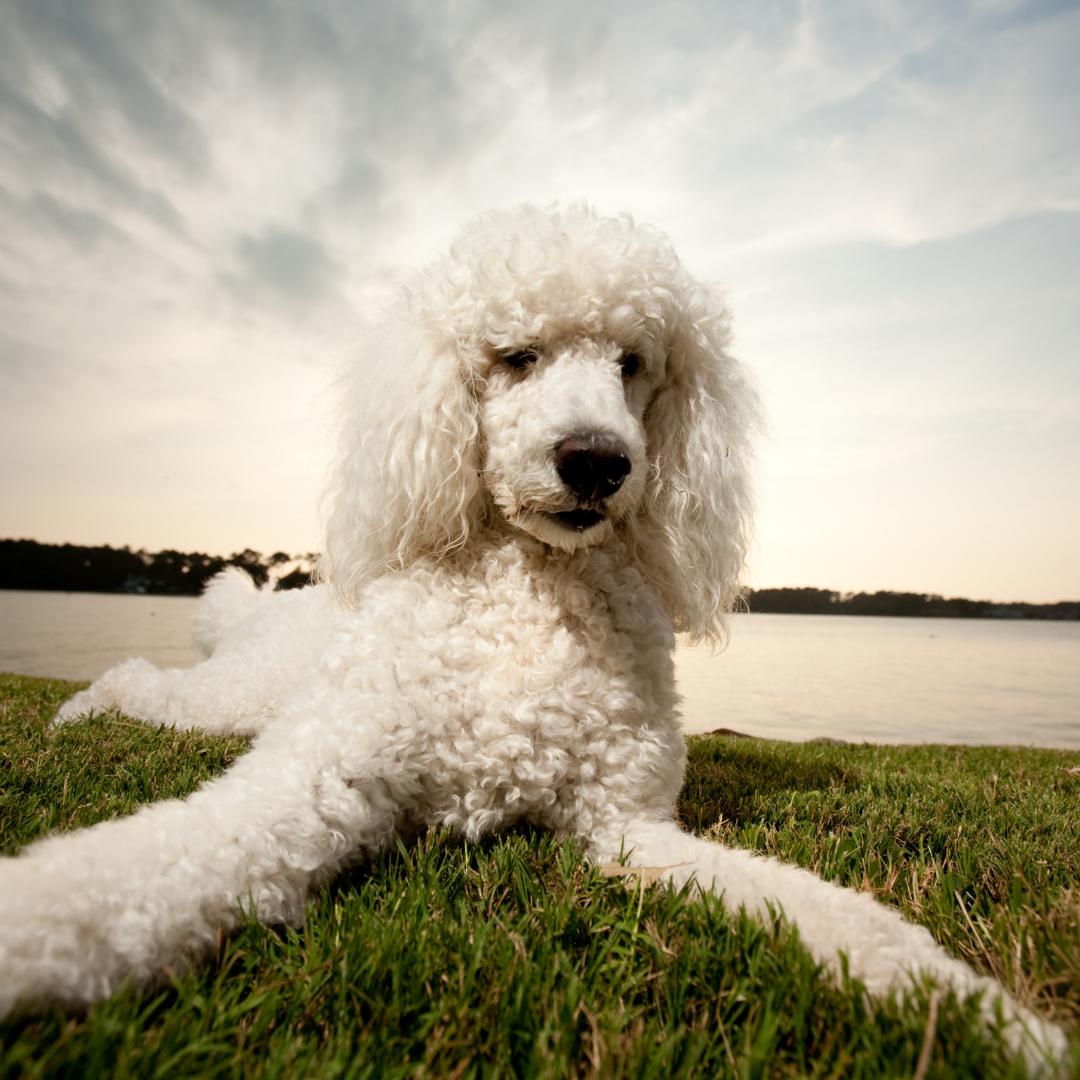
<point x="253" y="669"/>
<point x="884" y="951"/>
<point x="216" y="695"/>
<point x="135" y="897"/>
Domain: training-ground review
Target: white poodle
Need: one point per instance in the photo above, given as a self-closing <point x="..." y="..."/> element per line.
<point x="548" y="483"/>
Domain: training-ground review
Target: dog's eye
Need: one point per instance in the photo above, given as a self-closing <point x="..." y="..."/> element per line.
<point x="630" y="364"/>
<point x="520" y="359"/>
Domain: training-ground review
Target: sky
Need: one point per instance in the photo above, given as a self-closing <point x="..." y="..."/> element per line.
<point x="203" y="205"/>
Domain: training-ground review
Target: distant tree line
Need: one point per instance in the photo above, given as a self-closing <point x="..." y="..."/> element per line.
<point x="828" y="602"/>
<point x="26" y="564"/>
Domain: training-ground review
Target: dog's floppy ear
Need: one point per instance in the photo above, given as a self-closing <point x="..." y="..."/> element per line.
<point x="693" y="529"/>
<point x="405" y="483"/>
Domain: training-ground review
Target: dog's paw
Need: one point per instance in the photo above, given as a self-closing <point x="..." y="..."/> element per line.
<point x="1041" y="1045"/>
<point x="112" y="690"/>
<point x="78" y="707"/>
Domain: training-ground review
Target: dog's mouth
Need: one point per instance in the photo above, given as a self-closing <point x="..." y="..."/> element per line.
<point x="579" y="519"/>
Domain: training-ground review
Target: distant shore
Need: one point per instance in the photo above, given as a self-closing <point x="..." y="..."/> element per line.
<point x="27" y="564"/>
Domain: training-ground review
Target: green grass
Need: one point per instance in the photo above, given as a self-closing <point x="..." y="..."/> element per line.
<point x="511" y="957"/>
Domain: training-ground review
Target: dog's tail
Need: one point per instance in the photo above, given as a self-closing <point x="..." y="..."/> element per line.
<point x="227" y="598"/>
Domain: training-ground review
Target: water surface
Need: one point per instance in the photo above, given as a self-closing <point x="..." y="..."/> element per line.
<point x="876" y="679"/>
<point x="849" y="677"/>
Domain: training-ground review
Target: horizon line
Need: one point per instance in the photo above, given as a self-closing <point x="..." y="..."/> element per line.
<point x="305" y="557"/>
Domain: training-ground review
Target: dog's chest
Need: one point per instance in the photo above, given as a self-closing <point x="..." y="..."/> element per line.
<point x="530" y="680"/>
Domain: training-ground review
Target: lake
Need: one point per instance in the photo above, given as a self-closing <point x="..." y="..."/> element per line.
<point x="848" y="677"/>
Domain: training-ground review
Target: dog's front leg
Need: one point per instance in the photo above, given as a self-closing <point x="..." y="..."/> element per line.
<point x="135" y="897"/>
<point x="884" y="951"/>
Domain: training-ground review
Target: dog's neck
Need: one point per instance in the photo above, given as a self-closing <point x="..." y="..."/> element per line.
<point x="605" y="569"/>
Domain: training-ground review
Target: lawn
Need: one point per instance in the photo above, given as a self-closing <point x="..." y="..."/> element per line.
<point x="511" y="957"/>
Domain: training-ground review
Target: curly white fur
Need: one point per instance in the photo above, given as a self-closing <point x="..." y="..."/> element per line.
<point x="473" y="659"/>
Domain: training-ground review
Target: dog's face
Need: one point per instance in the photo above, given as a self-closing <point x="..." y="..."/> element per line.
<point x="562" y="370"/>
<point x="563" y="432"/>
<point x="568" y="352"/>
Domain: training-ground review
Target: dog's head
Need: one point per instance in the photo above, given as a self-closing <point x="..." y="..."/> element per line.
<point x="562" y="371"/>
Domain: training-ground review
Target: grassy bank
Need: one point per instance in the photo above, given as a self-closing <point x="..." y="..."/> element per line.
<point x="511" y="957"/>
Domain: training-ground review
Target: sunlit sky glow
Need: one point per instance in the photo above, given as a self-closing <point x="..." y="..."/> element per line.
<point x="202" y="203"/>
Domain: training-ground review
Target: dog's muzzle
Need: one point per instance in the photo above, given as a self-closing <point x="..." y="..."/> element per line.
<point x="593" y="466"/>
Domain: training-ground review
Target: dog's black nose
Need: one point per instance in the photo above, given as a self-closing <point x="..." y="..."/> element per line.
<point x="592" y="466"/>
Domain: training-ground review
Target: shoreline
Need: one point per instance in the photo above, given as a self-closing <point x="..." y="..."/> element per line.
<point x="718" y="732"/>
<point x="996" y="611"/>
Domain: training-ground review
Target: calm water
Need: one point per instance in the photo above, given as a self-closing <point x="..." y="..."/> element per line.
<point x="783" y="676"/>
